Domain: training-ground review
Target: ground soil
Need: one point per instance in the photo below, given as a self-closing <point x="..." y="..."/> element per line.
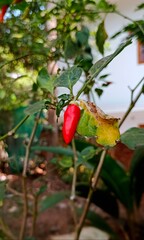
<point x="58" y="219"/>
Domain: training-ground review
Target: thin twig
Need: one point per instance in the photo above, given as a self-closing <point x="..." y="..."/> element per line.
<point x="35" y="213"/>
<point x="73" y="194"/>
<point x="20" y="57"/>
<point x="29" y="145"/>
<point x="24" y="179"/>
<point x="73" y="212"/>
<point x="6" y="230"/>
<point x="16" y="193"/>
<point x="131" y="106"/>
<point x="95" y="178"/>
<point x="25" y="208"/>
<point x="131" y="20"/>
<point x="12" y="132"/>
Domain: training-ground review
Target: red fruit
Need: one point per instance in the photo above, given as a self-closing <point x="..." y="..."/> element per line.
<point x="71" y="119"/>
<point x="3" y="11"/>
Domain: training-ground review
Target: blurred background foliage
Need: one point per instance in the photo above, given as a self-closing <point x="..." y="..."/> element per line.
<point x="36" y="33"/>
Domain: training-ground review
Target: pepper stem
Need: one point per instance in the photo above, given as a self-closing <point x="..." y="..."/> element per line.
<point x="73" y="189"/>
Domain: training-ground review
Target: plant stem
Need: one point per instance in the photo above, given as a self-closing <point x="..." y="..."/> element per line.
<point x="6" y="230"/>
<point x="100" y="65"/>
<point x="132" y="104"/>
<point x="25" y="208"/>
<point x="20" y="57"/>
<point x="95" y="178"/>
<point x="24" y="179"/>
<point x="15" y="59"/>
<point x="131" y="20"/>
<point x="29" y="144"/>
<point x="16" y="193"/>
<point x="73" y="194"/>
<point x="12" y="132"/>
<point x="35" y="213"/>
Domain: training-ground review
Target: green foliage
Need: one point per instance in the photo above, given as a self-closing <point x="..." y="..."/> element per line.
<point x="99" y="91"/>
<point x="106" y="6"/>
<point x="82" y="36"/>
<point x="102" y="63"/>
<point x="52" y="200"/>
<point x="136" y="174"/>
<point x="101" y="37"/>
<point x="56" y="150"/>
<point x="66" y="162"/>
<point x="45" y="81"/>
<point x="141" y="6"/>
<point x="116" y="178"/>
<point x="101" y="197"/>
<point x="134" y="30"/>
<point x="69" y="77"/>
<point x="98" y="222"/>
<point x="133" y="138"/>
<point x="35" y="107"/>
<point x="41" y="190"/>
<point x="70" y="48"/>
<point x="5" y="2"/>
<point x="28" y="84"/>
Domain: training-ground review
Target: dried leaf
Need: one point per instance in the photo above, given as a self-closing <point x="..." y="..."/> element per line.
<point x="95" y="123"/>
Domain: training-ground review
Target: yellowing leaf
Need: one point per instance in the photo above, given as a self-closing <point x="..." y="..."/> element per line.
<point x="95" y="123"/>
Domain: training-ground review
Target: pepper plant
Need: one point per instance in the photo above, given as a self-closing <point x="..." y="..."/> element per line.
<point x="34" y="52"/>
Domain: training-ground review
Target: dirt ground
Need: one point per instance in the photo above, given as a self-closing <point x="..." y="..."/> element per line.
<point x="58" y="219"/>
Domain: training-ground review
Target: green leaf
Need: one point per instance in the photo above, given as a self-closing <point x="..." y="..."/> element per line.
<point x="82" y="36"/>
<point x="64" y="97"/>
<point x="41" y="190"/>
<point x="101" y="197"/>
<point x="2" y="191"/>
<point x="69" y="77"/>
<point x="95" y="123"/>
<point x="104" y="5"/>
<point x="45" y="81"/>
<point x="66" y="162"/>
<point x="16" y="166"/>
<point x="60" y="106"/>
<point x="52" y="200"/>
<point x="139" y="7"/>
<point x="102" y="63"/>
<point x="23" y="6"/>
<point x="117" y="181"/>
<point x="137" y="174"/>
<point x="103" y="76"/>
<point x="101" y="37"/>
<point x="36" y="107"/>
<point x="133" y="138"/>
<point x="86" y="154"/>
<point x="99" y="91"/>
<point x="5" y="2"/>
<point x="70" y="48"/>
<point x="84" y="60"/>
<point x="97" y="221"/>
<point x="56" y="150"/>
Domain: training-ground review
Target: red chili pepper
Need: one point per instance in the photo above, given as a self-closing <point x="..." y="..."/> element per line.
<point x="3" y="11"/>
<point x="71" y="119"/>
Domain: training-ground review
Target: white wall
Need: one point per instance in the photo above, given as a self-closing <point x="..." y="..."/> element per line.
<point x="124" y="69"/>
